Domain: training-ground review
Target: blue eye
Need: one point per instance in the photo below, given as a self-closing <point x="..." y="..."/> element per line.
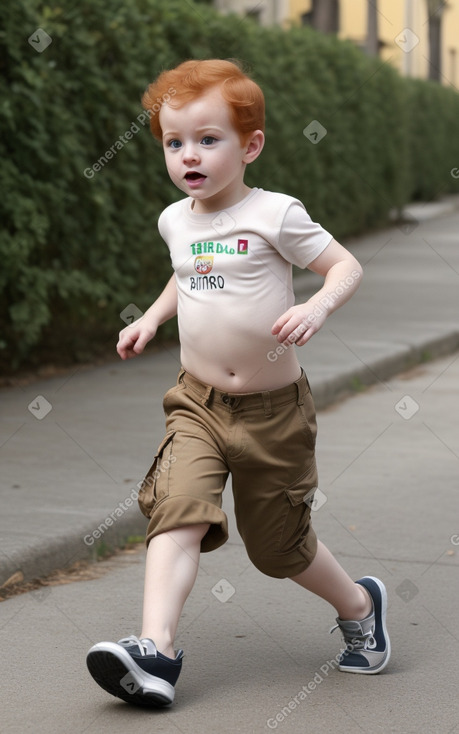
<point x="208" y="140"/>
<point x="175" y="144"/>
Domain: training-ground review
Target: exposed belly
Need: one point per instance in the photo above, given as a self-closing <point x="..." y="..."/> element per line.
<point x="238" y="356"/>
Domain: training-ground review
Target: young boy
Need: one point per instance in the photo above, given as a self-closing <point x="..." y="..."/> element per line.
<point x="234" y="408"/>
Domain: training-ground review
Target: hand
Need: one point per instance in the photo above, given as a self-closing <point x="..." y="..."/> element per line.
<point x="133" y="339"/>
<point x="299" y="323"/>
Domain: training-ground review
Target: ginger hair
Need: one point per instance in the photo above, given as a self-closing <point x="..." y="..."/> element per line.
<point x="191" y="79"/>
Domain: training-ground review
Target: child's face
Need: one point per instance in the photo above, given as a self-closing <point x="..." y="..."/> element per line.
<point x="203" y="152"/>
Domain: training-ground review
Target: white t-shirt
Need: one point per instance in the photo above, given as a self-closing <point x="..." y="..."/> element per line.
<point x="233" y="273"/>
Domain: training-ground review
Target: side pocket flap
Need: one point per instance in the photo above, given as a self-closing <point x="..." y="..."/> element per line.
<point x="147" y="495"/>
<point x="167" y="439"/>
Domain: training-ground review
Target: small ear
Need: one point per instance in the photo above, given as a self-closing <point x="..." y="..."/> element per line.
<point x="253" y="146"/>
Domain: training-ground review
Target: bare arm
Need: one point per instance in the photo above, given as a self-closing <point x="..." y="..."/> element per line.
<point x="342" y="274"/>
<point x="133" y="339"/>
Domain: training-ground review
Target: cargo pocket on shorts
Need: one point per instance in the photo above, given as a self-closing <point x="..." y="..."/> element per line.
<point x="155" y="486"/>
<point x="300" y="495"/>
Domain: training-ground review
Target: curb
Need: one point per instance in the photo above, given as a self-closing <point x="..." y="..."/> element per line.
<point x="330" y="391"/>
<point x="62" y="551"/>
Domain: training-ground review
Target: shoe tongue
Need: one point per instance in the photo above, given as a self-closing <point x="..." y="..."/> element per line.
<point x="363" y="628"/>
<point x="351" y="626"/>
<point x="149" y="646"/>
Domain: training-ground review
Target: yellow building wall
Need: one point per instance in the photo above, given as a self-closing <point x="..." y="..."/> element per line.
<point x="407" y="50"/>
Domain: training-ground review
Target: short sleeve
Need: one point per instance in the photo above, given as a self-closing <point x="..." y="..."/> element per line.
<point x="300" y="239"/>
<point x="162" y="225"/>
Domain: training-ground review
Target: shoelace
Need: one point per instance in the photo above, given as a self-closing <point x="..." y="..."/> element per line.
<point x="365" y="641"/>
<point x="133" y="640"/>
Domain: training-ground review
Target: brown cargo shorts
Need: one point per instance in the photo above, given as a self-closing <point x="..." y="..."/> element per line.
<point x="266" y="441"/>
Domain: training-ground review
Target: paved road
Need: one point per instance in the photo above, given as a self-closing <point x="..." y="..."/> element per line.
<point x="389" y="477"/>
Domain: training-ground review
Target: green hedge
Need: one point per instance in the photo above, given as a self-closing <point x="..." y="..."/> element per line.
<point x="76" y="249"/>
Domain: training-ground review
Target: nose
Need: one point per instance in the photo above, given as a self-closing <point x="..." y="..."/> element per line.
<point x="190" y="153"/>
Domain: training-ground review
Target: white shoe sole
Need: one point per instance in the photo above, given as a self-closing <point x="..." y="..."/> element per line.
<point x="116" y="672"/>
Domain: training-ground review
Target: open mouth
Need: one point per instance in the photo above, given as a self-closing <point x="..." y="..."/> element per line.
<point x="194" y="176"/>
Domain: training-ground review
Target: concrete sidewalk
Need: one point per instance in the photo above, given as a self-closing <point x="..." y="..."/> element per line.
<point x="258" y="656"/>
<point x="73" y="448"/>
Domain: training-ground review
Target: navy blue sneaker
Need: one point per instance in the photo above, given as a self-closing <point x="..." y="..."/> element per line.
<point x="135" y="671"/>
<point x="367" y="642"/>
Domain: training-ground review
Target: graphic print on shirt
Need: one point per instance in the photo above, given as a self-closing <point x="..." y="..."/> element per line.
<point x="206" y="282"/>
<point x="203" y="265"/>
<point x="217" y="248"/>
<point x="206" y="256"/>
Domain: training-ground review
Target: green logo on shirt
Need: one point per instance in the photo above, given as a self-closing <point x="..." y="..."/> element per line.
<point x="211" y="248"/>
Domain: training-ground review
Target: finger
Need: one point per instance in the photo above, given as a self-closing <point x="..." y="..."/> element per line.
<point x="305" y="338"/>
<point x="281" y="321"/>
<point x="291" y="331"/>
<point x="124" y="346"/>
<point x="122" y="351"/>
<point x="139" y="346"/>
<point x="283" y="327"/>
<point x="277" y="326"/>
<point x="127" y="339"/>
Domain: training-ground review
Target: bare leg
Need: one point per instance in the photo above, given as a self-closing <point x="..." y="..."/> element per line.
<point x="326" y="578"/>
<point x="171" y="569"/>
